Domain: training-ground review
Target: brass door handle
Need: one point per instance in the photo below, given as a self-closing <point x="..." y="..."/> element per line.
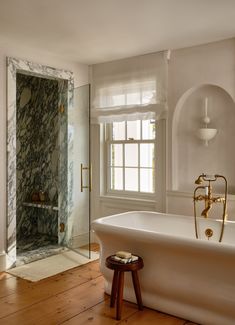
<point x="90" y="178"/>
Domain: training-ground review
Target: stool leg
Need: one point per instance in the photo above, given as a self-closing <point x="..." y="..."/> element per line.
<point x="120" y="295"/>
<point x="136" y="284"/>
<point x="114" y="288"/>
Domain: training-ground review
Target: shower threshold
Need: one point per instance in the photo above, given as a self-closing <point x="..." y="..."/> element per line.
<point x="37" y="247"/>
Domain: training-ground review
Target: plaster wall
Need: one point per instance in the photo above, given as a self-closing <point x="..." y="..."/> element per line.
<point x="80" y="72"/>
<point x="207" y="71"/>
<point x="191" y="155"/>
<point x="211" y="63"/>
<point x="201" y="71"/>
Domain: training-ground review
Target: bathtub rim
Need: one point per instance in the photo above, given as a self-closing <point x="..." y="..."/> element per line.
<point x="99" y="225"/>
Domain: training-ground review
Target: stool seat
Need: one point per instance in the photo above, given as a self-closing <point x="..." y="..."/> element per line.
<point x="118" y="281"/>
<point x="128" y="267"/>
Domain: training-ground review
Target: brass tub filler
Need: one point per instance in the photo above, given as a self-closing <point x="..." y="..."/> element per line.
<point x="209" y="201"/>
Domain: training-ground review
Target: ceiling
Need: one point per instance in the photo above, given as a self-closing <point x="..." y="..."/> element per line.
<point x="93" y="31"/>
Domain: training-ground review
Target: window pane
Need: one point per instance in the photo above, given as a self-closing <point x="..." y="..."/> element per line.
<point x="116" y="179"/>
<point x="131" y="179"/>
<point x="116" y="155"/>
<point x="146" y="180"/>
<point x="148" y="129"/>
<point x="131" y="155"/>
<point x="133" y="130"/>
<point x="147" y="155"/>
<point x="118" y="131"/>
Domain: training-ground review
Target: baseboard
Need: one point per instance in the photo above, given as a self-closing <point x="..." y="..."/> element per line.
<point x="94" y="238"/>
<point x="2" y="262"/>
<point x="82" y="240"/>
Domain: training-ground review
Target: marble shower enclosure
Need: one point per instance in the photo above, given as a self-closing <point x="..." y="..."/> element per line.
<point x="65" y="173"/>
<point x="37" y="161"/>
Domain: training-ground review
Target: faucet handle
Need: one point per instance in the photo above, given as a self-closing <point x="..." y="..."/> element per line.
<point x="199" y="198"/>
<point x="218" y="199"/>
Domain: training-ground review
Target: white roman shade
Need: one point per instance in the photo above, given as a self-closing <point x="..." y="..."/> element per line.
<point x="129" y="89"/>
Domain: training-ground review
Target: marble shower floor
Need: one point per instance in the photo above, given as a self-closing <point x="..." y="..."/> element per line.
<point x="37" y="247"/>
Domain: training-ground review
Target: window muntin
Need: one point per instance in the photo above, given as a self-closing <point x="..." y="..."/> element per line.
<point x="131" y="156"/>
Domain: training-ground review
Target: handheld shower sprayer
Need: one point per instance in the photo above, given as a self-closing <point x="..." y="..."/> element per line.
<point x="206" y="178"/>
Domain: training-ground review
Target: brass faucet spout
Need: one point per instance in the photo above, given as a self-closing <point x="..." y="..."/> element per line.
<point x="205" y="211"/>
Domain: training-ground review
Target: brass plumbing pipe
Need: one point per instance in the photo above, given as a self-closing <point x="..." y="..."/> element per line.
<point x="200" y="197"/>
<point x="224" y="204"/>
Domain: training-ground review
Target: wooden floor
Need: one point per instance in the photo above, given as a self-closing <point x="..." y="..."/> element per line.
<point x="73" y="297"/>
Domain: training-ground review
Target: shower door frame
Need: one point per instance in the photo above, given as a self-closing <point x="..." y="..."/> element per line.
<point x="81" y="239"/>
<point x="14" y="66"/>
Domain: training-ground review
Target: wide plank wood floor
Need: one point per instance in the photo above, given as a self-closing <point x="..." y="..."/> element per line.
<point x="72" y="297"/>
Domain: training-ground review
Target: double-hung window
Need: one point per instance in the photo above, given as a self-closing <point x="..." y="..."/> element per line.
<point x="128" y="97"/>
<point x="131" y="154"/>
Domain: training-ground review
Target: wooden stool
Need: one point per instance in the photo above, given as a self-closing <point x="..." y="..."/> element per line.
<point x="118" y="282"/>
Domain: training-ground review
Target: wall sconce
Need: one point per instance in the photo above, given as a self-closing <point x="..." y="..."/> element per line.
<point x="206" y="134"/>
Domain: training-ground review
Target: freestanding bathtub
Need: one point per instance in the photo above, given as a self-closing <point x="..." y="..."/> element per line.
<point x="183" y="276"/>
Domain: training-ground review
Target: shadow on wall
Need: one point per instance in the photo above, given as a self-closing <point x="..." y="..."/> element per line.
<point x="190" y="155"/>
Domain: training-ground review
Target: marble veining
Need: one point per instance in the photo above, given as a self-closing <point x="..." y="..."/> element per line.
<point x="35" y="248"/>
<point x="63" y="161"/>
<point x="37" y="131"/>
<point x="15" y="66"/>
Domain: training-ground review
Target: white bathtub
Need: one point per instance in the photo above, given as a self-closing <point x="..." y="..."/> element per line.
<point x="183" y="276"/>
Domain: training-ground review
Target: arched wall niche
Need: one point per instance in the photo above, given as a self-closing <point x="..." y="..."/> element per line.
<point x="190" y="156"/>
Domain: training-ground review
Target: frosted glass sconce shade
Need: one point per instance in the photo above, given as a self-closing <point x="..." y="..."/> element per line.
<point x="206" y="134"/>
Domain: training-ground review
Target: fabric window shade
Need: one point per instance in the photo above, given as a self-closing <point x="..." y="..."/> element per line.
<point x="129" y="89"/>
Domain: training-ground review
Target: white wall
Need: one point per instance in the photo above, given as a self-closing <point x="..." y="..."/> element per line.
<point x="190" y="68"/>
<point x="191" y="156"/>
<point x="80" y="76"/>
<point x="212" y="63"/>
<point x="200" y="69"/>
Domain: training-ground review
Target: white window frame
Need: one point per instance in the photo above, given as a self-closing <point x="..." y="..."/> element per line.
<point x="107" y="162"/>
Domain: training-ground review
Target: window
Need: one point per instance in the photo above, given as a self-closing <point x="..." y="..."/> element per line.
<point x="131" y="157"/>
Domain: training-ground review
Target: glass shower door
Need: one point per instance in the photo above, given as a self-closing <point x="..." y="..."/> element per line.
<point x="79" y="130"/>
